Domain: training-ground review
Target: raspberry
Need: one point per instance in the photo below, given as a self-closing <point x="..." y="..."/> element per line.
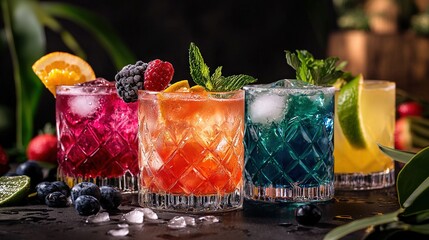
<point x="158" y="75"/>
<point x="129" y="80"/>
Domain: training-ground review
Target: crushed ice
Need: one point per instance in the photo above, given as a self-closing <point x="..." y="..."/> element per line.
<point x="209" y="219"/>
<point x="134" y="217"/>
<point x="119" y="232"/>
<point x="148" y="213"/>
<point x="98" y="218"/>
<point x="190" y="221"/>
<point x="177" y="223"/>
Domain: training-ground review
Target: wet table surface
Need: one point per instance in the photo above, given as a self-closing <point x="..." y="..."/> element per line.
<point x="255" y="221"/>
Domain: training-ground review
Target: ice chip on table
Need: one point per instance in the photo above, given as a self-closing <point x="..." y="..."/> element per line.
<point x="119" y="232"/>
<point x="98" y="218"/>
<point x="148" y="213"/>
<point x="123" y="225"/>
<point x="84" y="106"/>
<point x="190" y="221"/>
<point x="209" y="219"/>
<point x="177" y="223"/>
<point x="267" y="108"/>
<point x="133" y="217"/>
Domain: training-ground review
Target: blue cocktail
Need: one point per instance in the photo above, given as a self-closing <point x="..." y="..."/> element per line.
<point x="289" y="142"/>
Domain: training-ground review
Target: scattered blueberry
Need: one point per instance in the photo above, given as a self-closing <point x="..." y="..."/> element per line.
<point x="308" y="215"/>
<point x="45" y="188"/>
<point x="87" y="205"/>
<point x="111" y="198"/>
<point x="32" y="170"/>
<point x="63" y="187"/>
<point x="85" y="188"/>
<point x="56" y="199"/>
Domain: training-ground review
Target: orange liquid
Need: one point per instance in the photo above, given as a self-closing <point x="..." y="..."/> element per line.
<point x="191" y="143"/>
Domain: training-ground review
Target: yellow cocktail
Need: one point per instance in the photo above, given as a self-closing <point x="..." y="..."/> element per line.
<point x="366" y="167"/>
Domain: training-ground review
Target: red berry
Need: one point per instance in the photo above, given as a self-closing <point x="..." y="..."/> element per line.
<point x="4" y="162"/>
<point x="158" y="75"/>
<point x="403" y="138"/>
<point x="410" y="109"/>
<point x="43" y="148"/>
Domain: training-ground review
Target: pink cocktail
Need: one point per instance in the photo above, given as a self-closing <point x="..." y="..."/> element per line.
<point x="97" y="134"/>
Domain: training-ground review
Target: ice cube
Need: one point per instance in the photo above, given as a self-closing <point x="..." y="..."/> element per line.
<point x="148" y="213"/>
<point x="133" y="217"/>
<point x="123" y="225"/>
<point x="177" y="223"/>
<point x="190" y="221"/>
<point x="267" y="108"/>
<point x="208" y="219"/>
<point x="84" y="106"/>
<point x="98" y="82"/>
<point x="119" y="232"/>
<point x="98" y="218"/>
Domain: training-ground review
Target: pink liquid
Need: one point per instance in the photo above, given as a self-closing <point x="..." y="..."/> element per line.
<point x="97" y="133"/>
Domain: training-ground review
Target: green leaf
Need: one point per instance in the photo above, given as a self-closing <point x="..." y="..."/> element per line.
<point x="200" y="72"/>
<point x="398" y="155"/>
<point x="26" y="41"/>
<point x="412" y="175"/>
<point x="418" y="201"/>
<point x="360" y="224"/>
<point x="96" y="25"/>
<point x="423" y="228"/>
<point x="235" y="82"/>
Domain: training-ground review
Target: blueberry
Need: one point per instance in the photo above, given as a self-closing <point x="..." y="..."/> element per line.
<point x="111" y="198"/>
<point x="63" y="187"/>
<point x="308" y="214"/>
<point x="85" y="188"/>
<point x="45" y="188"/>
<point x="87" y="205"/>
<point x="32" y="170"/>
<point x="56" y="199"/>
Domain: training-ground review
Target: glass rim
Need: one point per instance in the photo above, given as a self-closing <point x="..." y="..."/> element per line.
<point x="295" y="89"/>
<point x="187" y="93"/>
<point x="383" y="83"/>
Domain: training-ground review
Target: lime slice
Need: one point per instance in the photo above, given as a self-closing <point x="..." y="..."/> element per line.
<point x="13" y="189"/>
<point x="349" y="112"/>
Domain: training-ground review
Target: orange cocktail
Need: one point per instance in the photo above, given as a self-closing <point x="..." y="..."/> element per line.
<point x="191" y="152"/>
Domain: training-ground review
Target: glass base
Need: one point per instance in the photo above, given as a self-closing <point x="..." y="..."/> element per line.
<point x="359" y="181"/>
<point x="322" y="192"/>
<point x="128" y="183"/>
<point x="191" y="203"/>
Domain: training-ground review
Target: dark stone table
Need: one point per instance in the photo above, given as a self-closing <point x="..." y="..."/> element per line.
<point x="255" y="221"/>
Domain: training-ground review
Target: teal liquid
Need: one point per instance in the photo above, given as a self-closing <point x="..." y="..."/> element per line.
<point x="296" y="149"/>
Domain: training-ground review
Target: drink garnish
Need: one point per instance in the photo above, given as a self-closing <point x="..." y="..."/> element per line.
<point x="13" y="189"/>
<point x="322" y="72"/>
<point x="349" y="112"/>
<point x="328" y="72"/>
<point x="200" y="74"/>
<point x="61" y="68"/>
<point x="129" y="80"/>
<point x="152" y="76"/>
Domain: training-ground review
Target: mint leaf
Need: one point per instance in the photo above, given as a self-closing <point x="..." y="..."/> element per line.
<point x="324" y="72"/>
<point x="200" y="74"/>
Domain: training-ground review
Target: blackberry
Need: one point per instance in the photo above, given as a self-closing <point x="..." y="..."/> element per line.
<point x="129" y="80"/>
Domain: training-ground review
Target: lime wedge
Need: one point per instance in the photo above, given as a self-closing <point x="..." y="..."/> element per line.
<point x="13" y="189"/>
<point x="349" y="112"/>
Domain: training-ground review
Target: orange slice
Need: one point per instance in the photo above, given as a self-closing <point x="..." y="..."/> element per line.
<point x="60" y="68"/>
<point x="173" y="107"/>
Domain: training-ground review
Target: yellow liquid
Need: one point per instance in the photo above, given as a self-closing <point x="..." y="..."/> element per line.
<point x="378" y="112"/>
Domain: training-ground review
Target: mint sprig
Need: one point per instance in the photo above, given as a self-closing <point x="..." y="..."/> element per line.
<point x="200" y="74"/>
<point x="322" y="72"/>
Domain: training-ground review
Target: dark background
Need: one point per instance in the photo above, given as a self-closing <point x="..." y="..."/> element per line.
<point x="243" y="36"/>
